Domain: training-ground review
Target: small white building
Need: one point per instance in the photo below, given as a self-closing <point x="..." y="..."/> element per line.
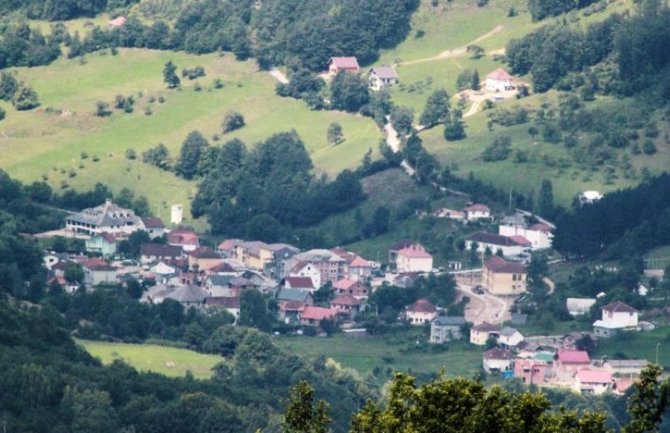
<point x="497" y="360"/>
<point x="579" y="306"/>
<point x="499" y="81"/>
<point x="510" y="337"/>
<point x="414" y="258"/>
<point x="616" y="317"/>
<point x="477" y="211"/>
<point x="421" y="312"/>
<point x="587" y="197"/>
<point x="177" y="214"/>
<point x="381" y="77"/>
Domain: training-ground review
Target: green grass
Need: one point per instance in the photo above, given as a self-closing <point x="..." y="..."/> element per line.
<point x="365" y="353"/>
<point x="40" y="144"/>
<point x="169" y="361"/>
<point x="640" y="345"/>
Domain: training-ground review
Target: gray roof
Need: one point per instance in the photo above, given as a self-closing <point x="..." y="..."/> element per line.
<point x="628" y="363"/>
<point x="105" y="215"/>
<point x="189" y="294"/>
<point x="384" y="72"/>
<point x="318" y="256"/>
<point x="519" y="319"/>
<point x="292" y="295"/>
<point x="449" y="320"/>
<point x="508" y="331"/>
<point x="220" y="280"/>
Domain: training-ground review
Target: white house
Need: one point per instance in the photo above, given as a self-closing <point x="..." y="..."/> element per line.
<point x="477" y="211"/>
<point x="510" y="337"/>
<point x="307" y="270"/>
<point x="497" y="360"/>
<point x="579" y="306"/>
<point x="594" y="382"/>
<point x="509" y="245"/>
<point x="421" y="312"/>
<point x="97" y="272"/>
<point x="539" y="235"/>
<point x="616" y="317"/>
<point x="414" y="258"/>
<point x="499" y="81"/>
<point x="108" y="218"/>
<point x="381" y="77"/>
<point x="154" y="226"/>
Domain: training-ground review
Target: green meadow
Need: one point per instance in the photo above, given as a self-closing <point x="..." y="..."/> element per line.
<point x="169" y="361"/>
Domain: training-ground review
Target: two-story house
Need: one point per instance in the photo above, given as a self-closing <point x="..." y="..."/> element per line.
<point x="501" y="277"/>
<point x="616" y="317"/>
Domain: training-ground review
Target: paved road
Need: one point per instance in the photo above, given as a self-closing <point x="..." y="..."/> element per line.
<point x="483" y="308"/>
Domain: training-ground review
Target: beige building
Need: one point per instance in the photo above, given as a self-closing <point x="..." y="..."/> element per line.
<point x="501" y="277"/>
<point x="480" y="333"/>
<point x="414" y="259"/>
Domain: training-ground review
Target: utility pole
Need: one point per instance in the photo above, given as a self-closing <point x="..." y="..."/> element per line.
<point x="657" y="346"/>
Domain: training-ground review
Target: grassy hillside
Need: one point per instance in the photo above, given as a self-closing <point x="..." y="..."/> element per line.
<point x="169" y="361"/>
<point x="48" y="142"/>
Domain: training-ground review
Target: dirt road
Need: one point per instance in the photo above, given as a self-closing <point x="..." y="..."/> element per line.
<point x="485" y="307"/>
<point x="279" y="76"/>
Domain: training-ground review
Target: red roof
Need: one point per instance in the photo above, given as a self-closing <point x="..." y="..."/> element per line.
<point x="497" y="353"/>
<point x="108" y="237"/>
<point x="573" y="357"/>
<point x="540" y="227"/>
<point x="153" y="223"/>
<point x="292" y="306"/>
<point x="204" y="253"/>
<point x="499" y="265"/>
<point x="117" y="22"/>
<point x="222" y="268"/>
<point x="477" y="207"/>
<point x="521" y="240"/>
<point x="299" y="282"/>
<point x="97" y="265"/>
<point x="182" y="237"/>
<point x="345" y="300"/>
<point x="422" y="306"/>
<point x="485" y="327"/>
<point x="344" y="284"/>
<point x="228" y="244"/>
<point x="500" y="75"/>
<point x="317" y="313"/>
<point x="360" y="262"/>
<point x="594" y="376"/>
<point x="414" y="252"/>
<point x="344" y="62"/>
<point x="619" y="307"/>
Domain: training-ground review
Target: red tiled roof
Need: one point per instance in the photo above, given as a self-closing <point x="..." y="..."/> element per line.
<point x="182" y="237"/>
<point x="414" y="252"/>
<point x="204" y="253"/>
<point x="573" y="357"/>
<point x="520" y="240"/>
<point x="478" y="207"/>
<point x="344" y="62"/>
<point x="222" y="302"/>
<point x="160" y="250"/>
<point x="292" y="306"/>
<point x="153" y="223"/>
<point x="499" y="265"/>
<point x="345" y="300"/>
<point x="117" y="22"/>
<point x="97" y="265"/>
<point x="317" y="313"/>
<point x="228" y="244"/>
<point x="344" y="284"/>
<point x="500" y="75"/>
<point x="108" y="237"/>
<point x="619" y="307"/>
<point x="495" y="239"/>
<point x="422" y="306"/>
<point x="222" y="268"/>
<point x="594" y="376"/>
<point x="360" y="262"/>
<point x="299" y="282"/>
<point x="485" y="327"/>
<point x="540" y="227"/>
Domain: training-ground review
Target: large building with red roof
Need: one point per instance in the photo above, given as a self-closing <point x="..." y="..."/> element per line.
<point x="502" y="277"/>
<point x="413" y="258"/>
<point x="499" y="81"/>
<point x="421" y="312"/>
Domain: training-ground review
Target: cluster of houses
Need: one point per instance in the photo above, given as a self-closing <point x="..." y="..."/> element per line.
<point x="379" y="77"/>
<point x="543" y="361"/>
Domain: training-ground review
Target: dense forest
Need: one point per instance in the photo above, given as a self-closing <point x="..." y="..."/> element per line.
<point x="624" y="223"/>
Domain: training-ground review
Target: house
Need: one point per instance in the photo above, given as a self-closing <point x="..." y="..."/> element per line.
<point x="157" y="294"/>
<point x="616" y="317"/>
<point x="97" y="272"/>
<point x="163" y="272"/>
<point x="501" y="277"/>
<point x="185" y="238"/>
<point x="204" y="258"/>
<point x="509" y="337"/>
<point x="231" y="305"/>
<point x="568" y="362"/>
<point x="108" y="218"/>
<point x="421" y="312"/>
<point x="103" y="244"/>
<point x="579" y="306"/>
<point x="381" y="77"/>
<point x="306" y="270"/>
<point x="217" y="286"/>
<point x="117" y="22"/>
<point x="189" y="295"/>
<point x="446" y="328"/>
<point x="499" y="81"/>
<point x="256" y="255"/>
<point x="596" y="382"/>
<point x="151" y="252"/>
<point x="343" y="64"/>
<point x="223" y="269"/>
<point x="312" y="316"/>
<point x="479" y="334"/>
<point x="281" y="262"/>
<point x="497" y="360"/>
<point x="414" y="259"/>
<point x="477" y="212"/>
<point x="291" y="302"/>
<point x="330" y="266"/>
<point x="351" y="287"/>
<point x="304" y="284"/>
<point x="510" y="246"/>
<point x="531" y="371"/>
<point x="358" y="268"/>
<point x="227" y="247"/>
<point x="625" y="367"/>
<point x="153" y="226"/>
<point x="539" y="235"/>
<point x="346" y="306"/>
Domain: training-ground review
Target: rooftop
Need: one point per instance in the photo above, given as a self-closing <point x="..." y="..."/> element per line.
<point x="573" y="357"/>
<point x="160" y="250"/>
<point x="299" y="282"/>
<point x="497" y="353"/>
<point x="105" y="215"/>
<point x="422" y="306"/>
<point x="345" y="300"/>
<point x="619" y="307"/>
<point x="594" y="376"/>
<point x="499" y="265"/>
<point x="385" y="72"/>
<point x="478" y="207"/>
<point x="415" y="252"/>
<point x="485" y="327"/>
<point x="500" y="74"/>
<point x="317" y="313"/>
<point x="449" y="320"/>
<point x="344" y="62"/>
<point x="498" y="240"/>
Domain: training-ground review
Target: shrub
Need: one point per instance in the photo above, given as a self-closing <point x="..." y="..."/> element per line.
<point x="232" y="121"/>
<point x="84" y="155"/>
<point x="499" y="150"/>
<point x="649" y="147"/>
<point x="2" y="114"/>
<point x="102" y="109"/>
<point x="131" y="154"/>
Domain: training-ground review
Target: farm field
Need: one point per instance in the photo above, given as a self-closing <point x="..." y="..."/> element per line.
<point x="366" y="354"/>
<point x="47" y="143"/>
<point x="169" y="361"/>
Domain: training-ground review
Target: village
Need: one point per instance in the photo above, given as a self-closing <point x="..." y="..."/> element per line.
<point x="175" y="265"/>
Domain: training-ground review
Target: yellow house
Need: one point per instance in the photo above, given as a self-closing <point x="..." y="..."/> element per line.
<point x="479" y="334"/>
<point x="501" y="277"/>
<point x="204" y="258"/>
<point x="256" y="255"/>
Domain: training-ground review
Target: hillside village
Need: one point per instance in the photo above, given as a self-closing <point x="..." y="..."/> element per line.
<point x="319" y="291"/>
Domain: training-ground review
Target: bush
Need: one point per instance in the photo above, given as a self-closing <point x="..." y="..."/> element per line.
<point x="2" y="114"/>
<point x="25" y="98"/>
<point x="649" y="147"/>
<point x="194" y="73"/>
<point x="499" y="150"/>
<point x="102" y="109"/>
<point x="232" y="121"/>
<point x="131" y="154"/>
